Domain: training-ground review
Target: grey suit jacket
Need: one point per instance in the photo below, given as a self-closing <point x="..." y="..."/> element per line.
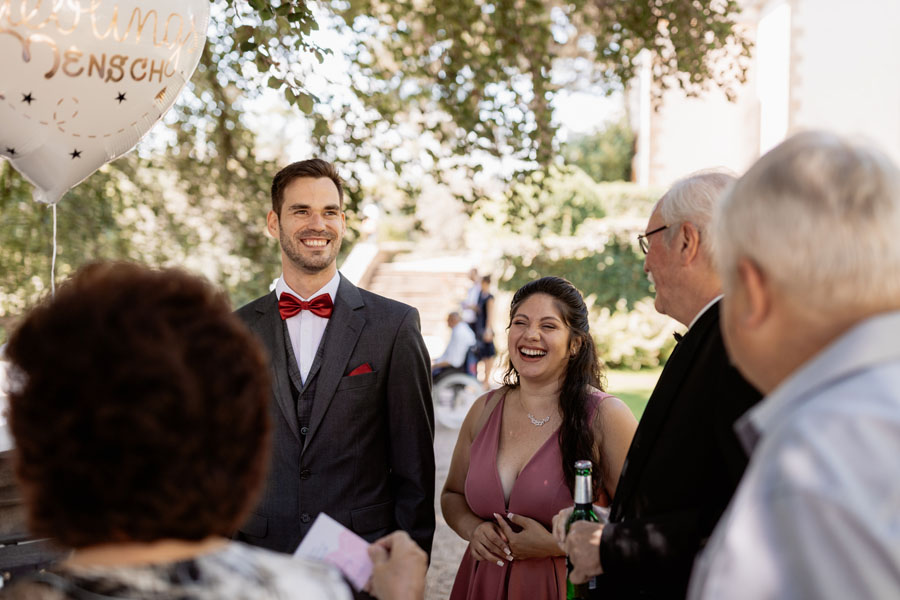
<point x="368" y="457"/>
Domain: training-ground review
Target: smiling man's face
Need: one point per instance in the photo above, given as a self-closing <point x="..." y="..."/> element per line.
<point x="311" y="225"/>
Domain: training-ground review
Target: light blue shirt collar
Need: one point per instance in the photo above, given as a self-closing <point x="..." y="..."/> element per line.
<point x="870" y="342"/>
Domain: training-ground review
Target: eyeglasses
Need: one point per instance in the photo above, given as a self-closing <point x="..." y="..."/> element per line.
<point x="642" y="238"/>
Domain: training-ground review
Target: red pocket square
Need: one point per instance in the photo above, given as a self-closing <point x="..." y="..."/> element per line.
<point x="363" y="368"/>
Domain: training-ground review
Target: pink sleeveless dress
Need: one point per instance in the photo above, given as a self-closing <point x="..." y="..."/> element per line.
<point x="539" y="493"/>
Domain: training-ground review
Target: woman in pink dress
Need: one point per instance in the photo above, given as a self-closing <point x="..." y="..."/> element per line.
<point x="513" y="466"/>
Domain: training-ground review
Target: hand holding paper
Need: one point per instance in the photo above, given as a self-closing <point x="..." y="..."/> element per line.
<point x="399" y="567"/>
<point x="331" y="542"/>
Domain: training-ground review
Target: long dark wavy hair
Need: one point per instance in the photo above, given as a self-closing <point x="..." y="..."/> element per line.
<point x="576" y="434"/>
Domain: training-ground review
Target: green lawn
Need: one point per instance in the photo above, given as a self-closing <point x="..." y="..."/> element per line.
<point x="633" y="387"/>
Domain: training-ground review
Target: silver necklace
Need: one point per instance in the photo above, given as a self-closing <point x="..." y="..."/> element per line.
<point x="534" y="420"/>
<point x="538" y="422"/>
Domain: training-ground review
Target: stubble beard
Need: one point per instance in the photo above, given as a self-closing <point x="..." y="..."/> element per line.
<point x="293" y="248"/>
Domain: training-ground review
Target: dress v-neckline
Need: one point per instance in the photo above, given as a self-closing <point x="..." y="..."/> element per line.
<point x="553" y="436"/>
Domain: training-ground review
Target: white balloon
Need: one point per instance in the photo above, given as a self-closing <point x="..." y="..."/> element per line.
<point x="81" y="81"/>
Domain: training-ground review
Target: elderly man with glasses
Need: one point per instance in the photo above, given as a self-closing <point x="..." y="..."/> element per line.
<point x="685" y="461"/>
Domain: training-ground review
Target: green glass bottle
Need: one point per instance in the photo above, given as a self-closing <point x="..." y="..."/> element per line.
<point x="584" y="511"/>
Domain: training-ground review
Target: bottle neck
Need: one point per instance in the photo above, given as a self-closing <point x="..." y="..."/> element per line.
<point x="583" y="490"/>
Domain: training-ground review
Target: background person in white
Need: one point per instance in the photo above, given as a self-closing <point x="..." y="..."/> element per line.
<point x="808" y="246"/>
<point x="462" y="338"/>
<point x="470" y="304"/>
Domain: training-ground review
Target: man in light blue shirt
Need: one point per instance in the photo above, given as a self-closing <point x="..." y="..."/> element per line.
<point x="808" y="247"/>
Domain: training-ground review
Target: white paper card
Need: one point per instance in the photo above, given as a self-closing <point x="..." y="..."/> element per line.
<point x="331" y="542"/>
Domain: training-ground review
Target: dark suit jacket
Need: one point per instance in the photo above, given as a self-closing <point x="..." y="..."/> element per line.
<point x="682" y="468"/>
<point x="368" y="458"/>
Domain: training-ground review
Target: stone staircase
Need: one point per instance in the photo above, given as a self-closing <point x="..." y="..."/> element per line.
<point x="435" y="286"/>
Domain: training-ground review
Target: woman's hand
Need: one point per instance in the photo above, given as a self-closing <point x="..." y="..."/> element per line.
<point x="489" y="543"/>
<point x="533" y="541"/>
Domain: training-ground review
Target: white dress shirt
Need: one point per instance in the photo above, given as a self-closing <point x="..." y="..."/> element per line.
<point x="461" y="339"/>
<point x="306" y="329"/>
<point x="703" y="310"/>
<point x="817" y="514"/>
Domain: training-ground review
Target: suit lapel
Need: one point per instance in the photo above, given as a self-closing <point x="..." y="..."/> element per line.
<point x="338" y="343"/>
<point x="271" y="330"/>
<point x="667" y="388"/>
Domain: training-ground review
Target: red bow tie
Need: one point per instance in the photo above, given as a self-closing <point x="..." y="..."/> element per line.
<point x="289" y="305"/>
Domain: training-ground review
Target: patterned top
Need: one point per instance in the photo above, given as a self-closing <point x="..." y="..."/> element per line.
<point x="236" y="572"/>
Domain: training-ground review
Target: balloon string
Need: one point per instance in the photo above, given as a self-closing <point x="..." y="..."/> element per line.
<point x="53" y="260"/>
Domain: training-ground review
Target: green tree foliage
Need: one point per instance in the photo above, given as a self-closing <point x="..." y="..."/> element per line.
<point x="605" y="155"/>
<point x="476" y="78"/>
<point x="430" y="88"/>
<point x="199" y="200"/>
<point x="606" y="276"/>
<point x="553" y="203"/>
<point x="601" y="258"/>
<point x="84" y="229"/>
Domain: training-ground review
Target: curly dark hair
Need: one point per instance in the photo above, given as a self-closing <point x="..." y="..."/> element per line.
<point x="576" y="435"/>
<point x="138" y="404"/>
<point x="314" y="168"/>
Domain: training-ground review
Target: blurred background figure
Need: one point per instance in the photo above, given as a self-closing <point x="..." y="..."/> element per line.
<point x="469" y="304"/>
<point x="484" y="332"/>
<point x="138" y="405"/>
<point x="462" y="341"/>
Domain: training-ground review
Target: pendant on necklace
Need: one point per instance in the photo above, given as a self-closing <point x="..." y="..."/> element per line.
<point x="538" y="422"/>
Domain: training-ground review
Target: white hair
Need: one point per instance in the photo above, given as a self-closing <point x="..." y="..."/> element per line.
<point x="693" y="200"/>
<point x="820" y="217"/>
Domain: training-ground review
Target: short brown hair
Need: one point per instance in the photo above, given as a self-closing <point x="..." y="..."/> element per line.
<point x="138" y="404"/>
<point x="314" y="168"/>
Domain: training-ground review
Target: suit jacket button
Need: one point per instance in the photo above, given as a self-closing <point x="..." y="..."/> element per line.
<point x="304" y="474"/>
<point x="305" y="518"/>
<point x="304" y="430"/>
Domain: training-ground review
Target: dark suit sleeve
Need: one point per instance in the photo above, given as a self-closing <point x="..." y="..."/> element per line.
<point x="411" y="435"/>
<point x="660" y="549"/>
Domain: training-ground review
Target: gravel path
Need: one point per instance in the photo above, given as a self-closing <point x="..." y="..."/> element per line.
<point x="448" y="548"/>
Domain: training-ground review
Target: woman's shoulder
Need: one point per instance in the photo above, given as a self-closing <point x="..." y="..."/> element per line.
<point x="604" y="403"/>
<point x="598" y="398"/>
<point x="482" y="409"/>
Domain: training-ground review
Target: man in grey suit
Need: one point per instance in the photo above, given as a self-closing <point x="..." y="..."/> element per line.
<point x="353" y="423"/>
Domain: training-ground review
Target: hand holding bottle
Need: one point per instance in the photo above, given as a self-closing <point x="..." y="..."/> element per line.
<point x="583" y="548"/>
<point x="581" y="519"/>
<point x="562" y="517"/>
<point x="559" y="526"/>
